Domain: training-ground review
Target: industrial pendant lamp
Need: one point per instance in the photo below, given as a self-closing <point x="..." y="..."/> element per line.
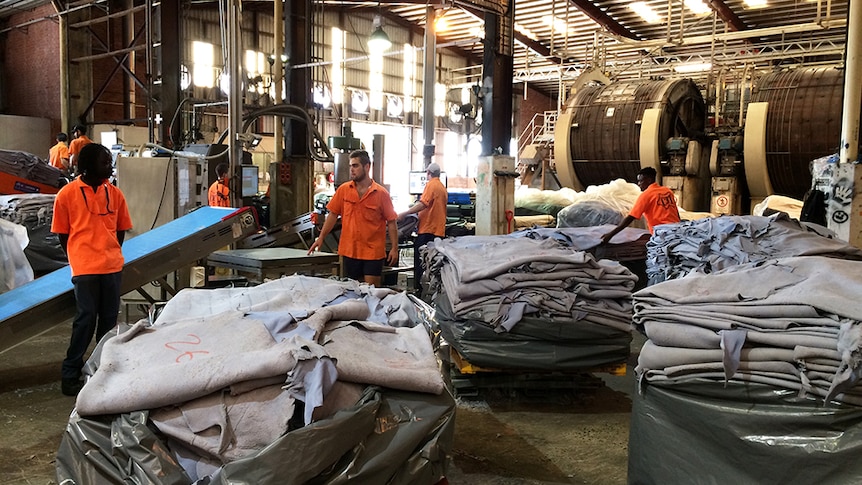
<point x="379" y="41"/>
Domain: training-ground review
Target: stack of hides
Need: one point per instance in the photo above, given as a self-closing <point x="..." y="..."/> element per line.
<point x="299" y="378"/>
<point x="776" y="323"/>
<point x="34" y="211"/>
<point x="30" y="167"/>
<point x="711" y="244"/>
<point x="755" y="367"/>
<point x="516" y="302"/>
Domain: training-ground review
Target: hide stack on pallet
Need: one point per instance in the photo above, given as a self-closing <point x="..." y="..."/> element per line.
<point x="750" y="373"/>
<point x="527" y="306"/>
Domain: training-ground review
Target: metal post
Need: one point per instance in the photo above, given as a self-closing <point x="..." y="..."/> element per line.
<point x="278" y="76"/>
<point x="428" y="84"/>
<point x="234" y="106"/>
<point x="849" y="150"/>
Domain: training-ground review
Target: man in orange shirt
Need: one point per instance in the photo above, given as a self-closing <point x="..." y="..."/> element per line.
<point x="80" y="134"/>
<point x="656" y="203"/>
<point x="432" y="217"/>
<point x="219" y="194"/>
<point x="91" y="219"/>
<point x="58" y="155"/>
<point x="366" y="213"/>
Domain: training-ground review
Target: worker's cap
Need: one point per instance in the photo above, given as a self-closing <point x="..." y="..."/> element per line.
<point x="433" y="169"/>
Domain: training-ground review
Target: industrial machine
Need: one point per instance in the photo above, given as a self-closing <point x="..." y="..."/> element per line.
<point x="612" y="131"/>
<point x="794" y="117"/>
<point x="725" y="165"/>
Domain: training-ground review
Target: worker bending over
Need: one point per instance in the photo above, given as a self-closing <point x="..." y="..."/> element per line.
<point x="656" y="203"/>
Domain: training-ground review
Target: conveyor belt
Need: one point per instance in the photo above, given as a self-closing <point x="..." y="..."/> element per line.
<point x="36" y="307"/>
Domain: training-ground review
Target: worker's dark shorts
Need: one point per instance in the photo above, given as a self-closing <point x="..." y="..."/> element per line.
<point x="358" y="269"/>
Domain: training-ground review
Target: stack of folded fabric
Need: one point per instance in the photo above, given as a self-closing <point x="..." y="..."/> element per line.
<point x="28" y="166"/>
<point x="711" y="244"/>
<point x="777" y="323"/>
<point x="34" y="211"/>
<point x="757" y="368"/>
<point x="494" y="291"/>
<point x="300" y="376"/>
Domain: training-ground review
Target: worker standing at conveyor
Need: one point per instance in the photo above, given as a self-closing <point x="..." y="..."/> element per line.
<point x="432" y="217"/>
<point x="366" y="212"/>
<point x="91" y="219"/>
<point x="58" y="155"/>
<point x="79" y="132"/>
<point x="219" y="193"/>
<point x="656" y="203"/>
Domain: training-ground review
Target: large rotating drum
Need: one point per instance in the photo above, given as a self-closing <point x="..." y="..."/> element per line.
<point x="802" y="123"/>
<point x="602" y="128"/>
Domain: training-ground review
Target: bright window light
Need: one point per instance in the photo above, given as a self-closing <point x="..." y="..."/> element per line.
<point x="375" y="80"/>
<point x="439" y="99"/>
<point x="756" y="3"/>
<point x="409" y="65"/>
<point x="477" y="32"/>
<point x="337" y="74"/>
<point x="645" y="12"/>
<point x="692" y="67"/>
<point x="556" y="23"/>
<point x="203" y="73"/>
<point x="697" y="7"/>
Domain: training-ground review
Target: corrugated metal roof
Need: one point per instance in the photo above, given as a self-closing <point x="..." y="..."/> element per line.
<point x="621" y="43"/>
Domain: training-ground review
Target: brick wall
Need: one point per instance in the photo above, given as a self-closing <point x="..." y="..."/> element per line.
<point x="536" y="102"/>
<point x="32" y="68"/>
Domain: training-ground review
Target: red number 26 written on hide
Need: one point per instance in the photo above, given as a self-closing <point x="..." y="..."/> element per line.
<point x="180" y="345"/>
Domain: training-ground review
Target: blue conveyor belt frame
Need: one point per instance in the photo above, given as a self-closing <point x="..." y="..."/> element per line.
<point x="38" y="306"/>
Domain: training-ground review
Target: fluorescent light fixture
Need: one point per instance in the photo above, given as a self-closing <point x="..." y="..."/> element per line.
<point x="559" y="25"/>
<point x="697" y="7"/>
<point x="692" y="67"/>
<point x="756" y="3"/>
<point x="645" y="12"/>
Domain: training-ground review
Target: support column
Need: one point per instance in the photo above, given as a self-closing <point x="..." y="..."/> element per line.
<point x="234" y="105"/>
<point x="429" y="81"/>
<point x="844" y="212"/>
<point x="497" y="78"/>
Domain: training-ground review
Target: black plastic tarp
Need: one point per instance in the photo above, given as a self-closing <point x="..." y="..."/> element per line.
<point x="707" y="433"/>
<point x="534" y="343"/>
<point x="388" y="437"/>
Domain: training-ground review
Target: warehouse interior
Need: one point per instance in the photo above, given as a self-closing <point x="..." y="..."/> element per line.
<point x="532" y="351"/>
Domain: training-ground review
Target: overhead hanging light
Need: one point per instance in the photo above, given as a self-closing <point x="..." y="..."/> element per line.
<point x="379" y="41"/>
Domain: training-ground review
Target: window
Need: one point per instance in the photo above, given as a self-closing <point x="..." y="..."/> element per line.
<point x="203" y="73"/>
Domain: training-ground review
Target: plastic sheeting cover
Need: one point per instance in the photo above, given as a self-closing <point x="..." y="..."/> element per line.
<point x="703" y="433"/>
<point x="391" y="437"/>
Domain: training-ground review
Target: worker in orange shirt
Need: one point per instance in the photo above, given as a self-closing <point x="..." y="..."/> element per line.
<point x="58" y="155"/>
<point x="80" y="134"/>
<point x="366" y="213"/>
<point x="656" y="203"/>
<point x="432" y="217"/>
<point x="91" y="219"/>
<point x="219" y="193"/>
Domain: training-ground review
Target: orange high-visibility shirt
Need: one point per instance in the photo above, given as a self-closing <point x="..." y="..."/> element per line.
<point x="432" y="219"/>
<point x="91" y="218"/>
<point x="218" y="195"/>
<point x="657" y="204"/>
<point x="56" y="155"/>
<point x="363" y="221"/>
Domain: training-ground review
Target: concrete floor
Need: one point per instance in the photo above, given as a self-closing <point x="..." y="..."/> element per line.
<point x="502" y="437"/>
